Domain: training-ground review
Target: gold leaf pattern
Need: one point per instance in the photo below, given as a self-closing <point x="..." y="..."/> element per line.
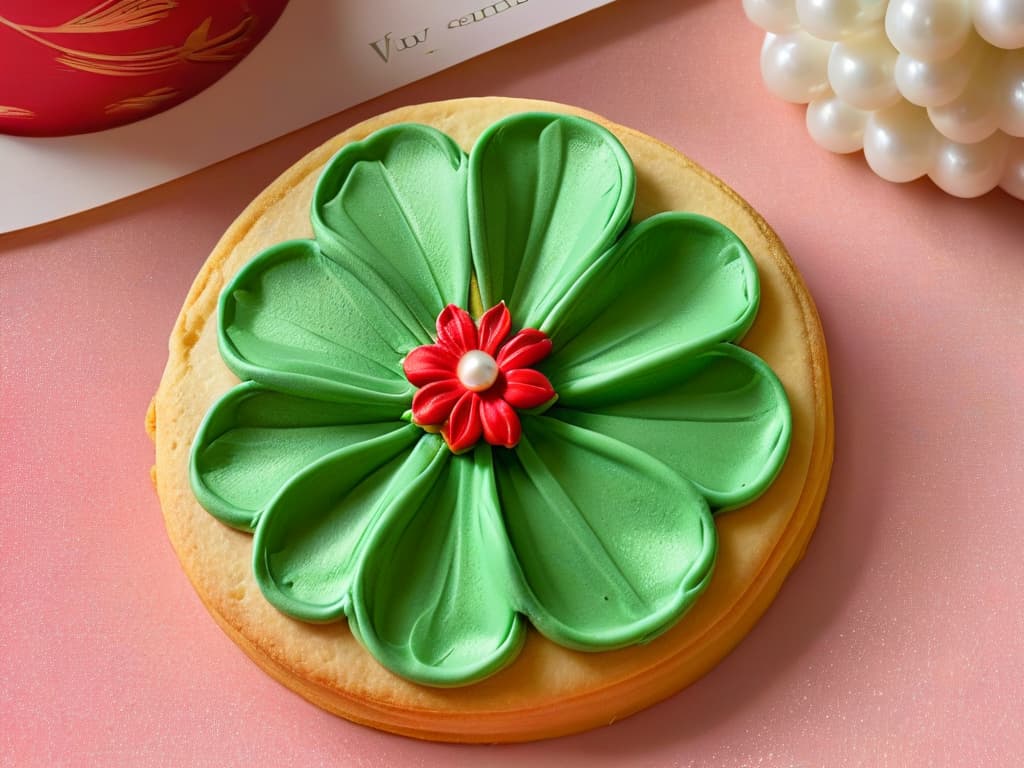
<point x="224" y="47"/>
<point x="16" y="112"/>
<point x="155" y="61"/>
<point x="114" y="16"/>
<point x="120" y="15"/>
<point x="197" y="37"/>
<point x="141" y="103"/>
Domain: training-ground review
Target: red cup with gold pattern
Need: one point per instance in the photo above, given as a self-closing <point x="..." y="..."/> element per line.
<point x="74" y="66"/>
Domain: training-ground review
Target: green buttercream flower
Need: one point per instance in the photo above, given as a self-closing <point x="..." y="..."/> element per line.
<point x="596" y="526"/>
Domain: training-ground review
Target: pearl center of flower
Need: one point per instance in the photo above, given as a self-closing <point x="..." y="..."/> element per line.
<point x="477" y="370"/>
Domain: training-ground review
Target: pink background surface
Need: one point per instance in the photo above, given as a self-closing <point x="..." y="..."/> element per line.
<point x="899" y="641"/>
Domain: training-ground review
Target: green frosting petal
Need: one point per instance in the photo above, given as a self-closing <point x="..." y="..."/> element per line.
<point x="613" y="546"/>
<point x="677" y="283"/>
<point x="297" y="322"/>
<point x="431" y="601"/>
<point x="547" y="195"/>
<point x="724" y="423"/>
<point x="308" y="541"/>
<point x="254" y="440"/>
<point x="391" y="209"/>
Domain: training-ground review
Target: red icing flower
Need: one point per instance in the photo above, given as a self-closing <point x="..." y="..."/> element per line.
<point x="471" y="381"/>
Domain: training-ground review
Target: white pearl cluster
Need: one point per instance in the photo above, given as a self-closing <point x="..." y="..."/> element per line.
<point x="922" y="86"/>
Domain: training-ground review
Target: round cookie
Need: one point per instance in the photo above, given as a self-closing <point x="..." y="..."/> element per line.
<point x="548" y="690"/>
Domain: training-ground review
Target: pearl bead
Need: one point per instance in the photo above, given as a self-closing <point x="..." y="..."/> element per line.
<point x="860" y="71"/>
<point x="873" y="10"/>
<point x="932" y="83"/>
<point x="477" y="370"/>
<point x="929" y="83"/>
<point x="829" y="19"/>
<point x="1001" y="22"/>
<point x="898" y="142"/>
<point x="929" y="30"/>
<point x="1012" y="179"/>
<point x="970" y="170"/>
<point x="1012" y="107"/>
<point x="969" y="118"/>
<point x="795" y="66"/>
<point x="835" y="125"/>
<point x="772" y="15"/>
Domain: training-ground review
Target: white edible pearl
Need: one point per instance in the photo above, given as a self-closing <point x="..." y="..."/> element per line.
<point x="970" y="117"/>
<point x="795" y="66"/>
<point x="860" y="71"/>
<point x="1012" y="107"/>
<point x="873" y="10"/>
<point x="1001" y="22"/>
<point x="829" y="19"/>
<point x="928" y="30"/>
<point x="772" y="15"/>
<point x="835" y="125"/>
<point x="932" y="83"/>
<point x="898" y="142"/>
<point x="477" y="370"/>
<point x="1012" y="179"/>
<point x="970" y="170"/>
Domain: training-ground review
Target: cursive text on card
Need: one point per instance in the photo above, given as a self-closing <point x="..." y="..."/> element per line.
<point x="387" y="44"/>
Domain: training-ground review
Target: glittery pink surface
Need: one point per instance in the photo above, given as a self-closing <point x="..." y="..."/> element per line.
<point x="898" y="641"/>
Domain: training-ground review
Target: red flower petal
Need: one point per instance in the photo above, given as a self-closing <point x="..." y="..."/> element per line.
<point x="463" y="428"/>
<point x="433" y="403"/>
<point x="465" y="416"/>
<point x="455" y="330"/>
<point x="526" y="348"/>
<point x="527" y="388"/>
<point x="500" y="422"/>
<point x="493" y="328"/>
<point x="428" y="364"/>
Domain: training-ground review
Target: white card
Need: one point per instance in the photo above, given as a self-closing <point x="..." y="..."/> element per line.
<point x="319" y="59"/>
